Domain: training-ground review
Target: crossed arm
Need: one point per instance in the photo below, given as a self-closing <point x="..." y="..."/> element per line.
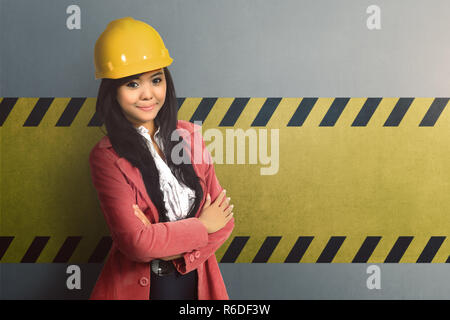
<point x="145" y="221"/>
<point x="186" y="242"/>
<point x="138" y="242"/>
<point x="191" y="259"/>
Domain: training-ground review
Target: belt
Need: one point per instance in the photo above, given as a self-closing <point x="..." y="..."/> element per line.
<point x="162" y="268"/>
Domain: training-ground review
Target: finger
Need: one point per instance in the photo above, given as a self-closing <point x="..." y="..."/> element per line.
<point x="141" y="215"/>
<point x="137" y="210"/>
<point x="228" y="210"/>
<point x="208" y="201"/>
<point x="225" y="203"/>
<point x="220" y="197"/>
<point x="146" y="221"/>
<point x="228" y="217"/>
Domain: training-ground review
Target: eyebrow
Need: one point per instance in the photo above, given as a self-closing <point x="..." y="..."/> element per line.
<point x="154" y="75"/>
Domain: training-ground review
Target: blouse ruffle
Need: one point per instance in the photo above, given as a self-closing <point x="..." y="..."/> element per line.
<point x="178" y="198"/>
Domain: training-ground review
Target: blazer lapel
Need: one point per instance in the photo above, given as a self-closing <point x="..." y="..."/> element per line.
<point x="135" y="176"/>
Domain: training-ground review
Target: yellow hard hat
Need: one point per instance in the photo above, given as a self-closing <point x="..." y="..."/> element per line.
<point x="128" y="46"/>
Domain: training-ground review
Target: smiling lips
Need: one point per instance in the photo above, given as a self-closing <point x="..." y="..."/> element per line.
<point x="147" y="108"/>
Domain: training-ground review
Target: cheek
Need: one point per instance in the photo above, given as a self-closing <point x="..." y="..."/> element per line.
<point x="162" y="94"/>
<point x="125" y="99"/>
<point x="162" y="90"/>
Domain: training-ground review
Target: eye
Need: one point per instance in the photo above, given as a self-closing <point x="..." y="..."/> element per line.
<point x="128" y="84"/>
<point x="154" y="81"/>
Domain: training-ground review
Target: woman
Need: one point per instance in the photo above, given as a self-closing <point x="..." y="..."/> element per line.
<point x="166" y="217"/>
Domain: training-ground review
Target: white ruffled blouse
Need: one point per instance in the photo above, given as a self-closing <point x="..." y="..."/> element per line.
<point x="178" y="197"/>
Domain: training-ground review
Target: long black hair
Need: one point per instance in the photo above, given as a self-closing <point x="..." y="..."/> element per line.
<point x="131" y="145"/>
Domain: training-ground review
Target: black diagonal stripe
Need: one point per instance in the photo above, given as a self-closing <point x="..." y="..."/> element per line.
<point x="95" y="121"/>
<point x="67" y="249"/>
<point x="448" y="260"/>
<point x="35" y="249"/>
<point x="4" y="245"/>
<point x="71" y="111"/>
<point x="266" y="112"/>
<point x="101" y="251"/>
<point x="234" y="249"/>
<point x="366" y="112"/>
<point x="180" y="102"/>
<point x="302" y="112"/>
<point x="430" y="249"/>
<point x="398" y="112"/>
<point x="434" y="112"/>
<point x="38" y="112"/>
<point x="233" y="112"/>
<point x="330" y="250"/>
<point x="203" y="109"/>
<point x="6" y="106"/>
<point x="266" y="250"/>
<point x="298" y="250"/>
<point x="366" y="250"/>
<point x="398" y="250"/>
<point x="334" y="112"/>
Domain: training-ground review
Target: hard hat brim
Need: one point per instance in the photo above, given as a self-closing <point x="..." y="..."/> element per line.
<point x="134" y="68"/>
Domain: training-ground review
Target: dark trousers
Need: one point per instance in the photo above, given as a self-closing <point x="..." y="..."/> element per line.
<point x="174" y="286"/>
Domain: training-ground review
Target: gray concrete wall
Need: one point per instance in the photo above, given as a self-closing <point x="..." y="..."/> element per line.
<point x="234" y="48"/>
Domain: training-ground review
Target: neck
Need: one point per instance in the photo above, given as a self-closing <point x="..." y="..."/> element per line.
<point x="150" y="126"/>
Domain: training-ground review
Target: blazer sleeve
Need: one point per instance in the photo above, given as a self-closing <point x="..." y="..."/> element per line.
<point x="193" y="258"/>
<point x="134" y="239"/>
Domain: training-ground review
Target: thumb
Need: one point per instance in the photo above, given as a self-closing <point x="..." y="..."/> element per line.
<point x="208" y="200"/>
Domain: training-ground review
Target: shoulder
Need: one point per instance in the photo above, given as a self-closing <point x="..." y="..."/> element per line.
<point x="188" y="126"/>
<point x="102" y="150"/>
<point x="190" y="131"/>
<point x="194" y="136"/>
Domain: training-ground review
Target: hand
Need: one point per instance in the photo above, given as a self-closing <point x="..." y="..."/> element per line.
<point x="140" y="215"/>
<point x="216" y="215"/>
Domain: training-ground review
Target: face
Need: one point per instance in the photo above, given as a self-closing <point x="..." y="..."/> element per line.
<point x="149" y="90"/>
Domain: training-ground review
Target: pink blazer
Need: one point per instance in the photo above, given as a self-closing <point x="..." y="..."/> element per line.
<point x="126" y="272"/>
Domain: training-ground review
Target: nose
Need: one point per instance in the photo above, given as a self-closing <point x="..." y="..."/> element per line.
<point x="147" y="92"/>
